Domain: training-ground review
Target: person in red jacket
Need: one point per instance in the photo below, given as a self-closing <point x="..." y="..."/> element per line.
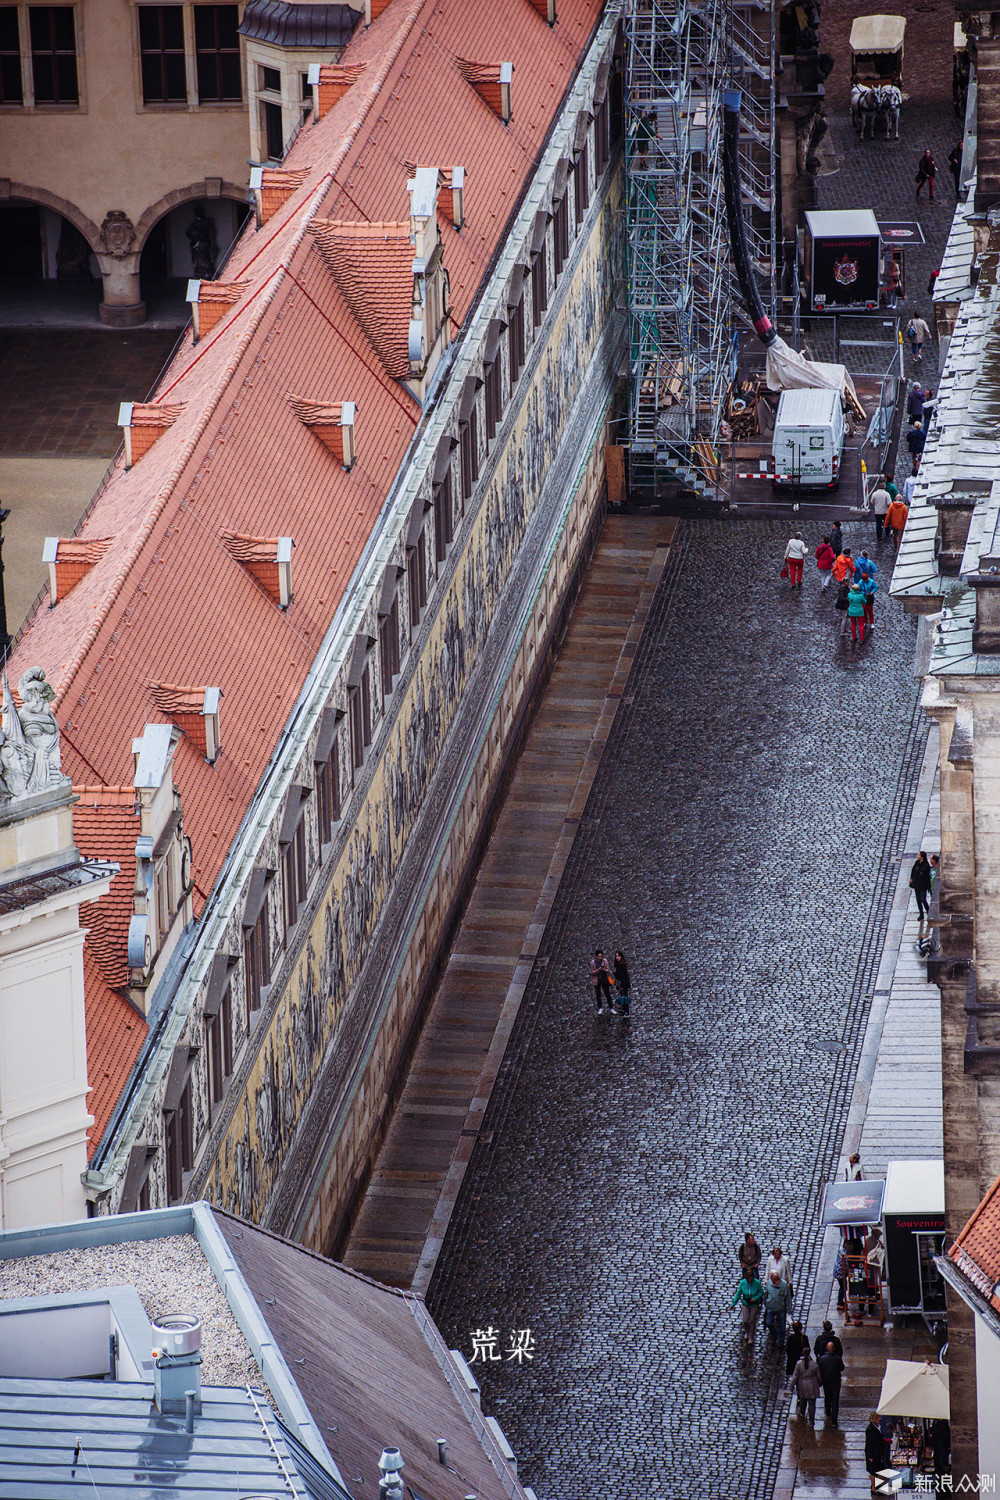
<point x="825" y="559"/>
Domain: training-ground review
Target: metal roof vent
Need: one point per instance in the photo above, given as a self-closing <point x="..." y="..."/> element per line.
<point x="390" y="1486"/>
<point x="177" y="1363"/>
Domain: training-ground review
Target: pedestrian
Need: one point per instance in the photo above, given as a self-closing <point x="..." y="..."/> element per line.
<point x="910" y="485"/>
<point x="843" y="567"/>
<point x="895" y="521"/>
<point x="825" y="559"/>
<point x="932" y="282"/>
<point x="794" y="557"/>
<point x="930" y="406"/>
<point x="854" y="1172"/>
<point x="831" y="1373"/>
<point x="876" y="1449"/>
<point x="837" y="538"/>
<point x="623" y="982"/>
<point x="915" y="401"/>
<point x="856" y="612"/>
<point x="749" y="1254"/>
<point x="750" y="1295"/>
<point x="866" y="564"/>
<point x="869" y="588"/>
<point x="600" y="978"/>
<point x="889" y="484"/>
<point x="827" y="1336"/>
<point x="926" y="172"/>
<point x="840" y="1277"/>
<point x="915" y="438"/>
<point x="777" y="1306"/>
<point x="881" y="500"/>
<point x="805" y="1383"/>
<point x="920" y="883"/>
<point x="794" y="1345"/>
<point x="918" y="334"/>
<point x="955" y="167"/>
<point x="935" y="870"/>
<point x="778" y="1261"/>
<point x="941" y="1444"/>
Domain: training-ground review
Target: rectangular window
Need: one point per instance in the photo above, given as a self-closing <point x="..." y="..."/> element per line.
<point x="272" y="130"/>
<point x="416" y="577"/>
<point x="388" y="642"/>
<point x="360" y="705"/>
<point x="560" y="235"/>
<point x="581" y="185"/>
<point x="217" y="54"/>
<point x="328" y="795"/>
<point x="493" y="398"/>
<point x="443" y="527"/>
<point x="179" y="1130"/>
<point x="161" y="50"/>
<point x="468" y="436"/>
<point x="602" y="136"/>
<point x="257" y="960"/>
<point x="515" y="339"/>
<point x="53" y="54"/>
<point x="539" y="285"/>
<point x="213" y="1049"/>
<point x="11" y="91"/>
<point x="270" y="78"/>
<point x="294" y="878"/>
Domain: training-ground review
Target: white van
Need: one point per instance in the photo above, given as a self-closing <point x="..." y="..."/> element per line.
<point x="808" y="438"/>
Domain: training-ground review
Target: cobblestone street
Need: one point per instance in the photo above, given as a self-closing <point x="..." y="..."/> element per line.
<point x="741" y="844"/>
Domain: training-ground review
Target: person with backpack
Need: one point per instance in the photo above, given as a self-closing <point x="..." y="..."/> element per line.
<point x="623" y="982"/>
<point x="916" y="437"/>
<point x="825" y="559"/>
<point x="869" y="588"/>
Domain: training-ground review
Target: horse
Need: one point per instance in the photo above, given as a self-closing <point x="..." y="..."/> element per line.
<point x="864" y="108"/>
<point x="890" y="98"/>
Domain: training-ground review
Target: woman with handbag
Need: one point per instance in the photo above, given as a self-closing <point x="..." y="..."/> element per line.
<point x="805" y="1383"/>
<point x="795" y="554"/>
<point x="623" y="983"/>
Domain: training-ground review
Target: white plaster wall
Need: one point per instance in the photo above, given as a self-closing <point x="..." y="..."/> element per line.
<point x="988" y="1398"/>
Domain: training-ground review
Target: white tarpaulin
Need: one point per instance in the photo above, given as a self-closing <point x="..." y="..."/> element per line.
<point x="910" y="1389"/>
<point x="789" y="371"/>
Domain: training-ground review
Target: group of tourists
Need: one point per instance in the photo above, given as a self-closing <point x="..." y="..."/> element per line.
<point x="604" y="979"/>
<point x="856" y="578"/>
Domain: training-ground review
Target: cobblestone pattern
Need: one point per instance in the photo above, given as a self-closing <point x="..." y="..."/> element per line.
<point x="740" y="844"/>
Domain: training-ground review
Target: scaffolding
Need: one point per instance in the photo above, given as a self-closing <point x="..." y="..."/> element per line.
<point x="680" y="56"/>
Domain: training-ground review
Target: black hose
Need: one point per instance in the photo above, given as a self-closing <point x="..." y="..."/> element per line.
<point x="734" y="215"/>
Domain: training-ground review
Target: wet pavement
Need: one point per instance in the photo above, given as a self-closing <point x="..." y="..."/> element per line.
<point x="741" y="844"/>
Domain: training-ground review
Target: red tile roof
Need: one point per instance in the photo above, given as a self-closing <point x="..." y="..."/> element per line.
<point x="106" y="826"/>
<point x="372" y="265"/>
<point x="167" y="602"/>
<point x="976" y="1252"/>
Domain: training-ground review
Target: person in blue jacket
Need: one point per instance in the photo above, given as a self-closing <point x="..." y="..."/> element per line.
<point x="869" y="588"/>
<point x="865" y="564"/>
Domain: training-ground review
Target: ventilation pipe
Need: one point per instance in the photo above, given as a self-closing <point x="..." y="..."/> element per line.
<point x="177" y="1365"/>
<point x="731" y="99"/>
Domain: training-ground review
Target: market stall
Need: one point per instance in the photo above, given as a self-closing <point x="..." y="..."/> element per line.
<point x="913" y="1216"/>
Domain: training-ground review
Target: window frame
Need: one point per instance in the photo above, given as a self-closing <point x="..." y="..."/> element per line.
<point x="294" y="874"/>
<point x="217" y="52"/>
<point x="54" y="54"/>
<point x="390" y="656"/>
<point x="540" y="284"/>
<point x="178" y="1132"/>
<point x="328" y="801"/>
<point x="416" y="574"/>
<point x="468" y="447"/>
<point x="444" y="518"/>
<point x="13" y="55"/>
<point x="359" y="710"/>
<point x="560" y="235"/>
<point x="493" y="396"/>
<point x="515" y="339"/>
<point x="168" y="101"/>
<point x="581" y="184"/>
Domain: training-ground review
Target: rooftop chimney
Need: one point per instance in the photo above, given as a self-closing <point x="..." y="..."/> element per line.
<point x="144" y="422"/>
<point x="330" y="82"/>
<point x="272" y="187"/>
<point x="491" y="82"/>
<point x="268" y="559"/>
<point x="546" y="9"/>
<point x="193" y="710"/>
<point x="70" y="559"/>
<point x="373" y="9"/>
<point x="390" y="1486"/>
<point x="177" y="1363"/>
<point x="332" y="422"/>
<point x="210" y="301"/>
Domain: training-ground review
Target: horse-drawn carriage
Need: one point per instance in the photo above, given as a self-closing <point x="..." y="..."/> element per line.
<point x="877" y="72"/>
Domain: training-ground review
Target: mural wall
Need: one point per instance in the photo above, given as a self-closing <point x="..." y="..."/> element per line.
<point x="320" y="1011"/>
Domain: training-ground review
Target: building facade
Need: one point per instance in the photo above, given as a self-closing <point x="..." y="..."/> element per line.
<point x="437" y="473"/>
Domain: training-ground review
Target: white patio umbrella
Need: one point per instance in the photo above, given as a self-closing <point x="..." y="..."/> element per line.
<point x="913" y="1389"/>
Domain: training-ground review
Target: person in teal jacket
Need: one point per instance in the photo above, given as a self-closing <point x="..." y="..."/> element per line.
<point x="750" y="1295"/>
<point x="856" y="611"/>
<point x="869" y="588"/>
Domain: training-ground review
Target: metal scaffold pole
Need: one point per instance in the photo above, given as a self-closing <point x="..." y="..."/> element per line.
<point x="680" y="56"/>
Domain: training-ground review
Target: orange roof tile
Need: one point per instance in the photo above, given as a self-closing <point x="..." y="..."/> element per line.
<point x="372" y="264"/>
<point x="167" y="602"/>
<point x="976" y="1251"/>
<point x="115" y="1034"/>
<point x="106" y="826"/>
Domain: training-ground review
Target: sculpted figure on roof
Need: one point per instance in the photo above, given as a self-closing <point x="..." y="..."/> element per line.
<point x="29" y="738"/>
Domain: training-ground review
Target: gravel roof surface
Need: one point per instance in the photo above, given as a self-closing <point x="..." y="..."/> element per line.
<point x="170" y="1275"/>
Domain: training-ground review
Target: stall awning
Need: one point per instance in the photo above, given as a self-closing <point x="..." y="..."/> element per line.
<point x="878" y="33"/>
<point x="853" y="1202"/>
<point x="911" y="1389"/>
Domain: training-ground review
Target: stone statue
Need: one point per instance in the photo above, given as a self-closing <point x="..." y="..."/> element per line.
<point x="204" y="245"/>
<point x="29" y="738"/>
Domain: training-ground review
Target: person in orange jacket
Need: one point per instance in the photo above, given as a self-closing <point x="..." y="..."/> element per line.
<point x="844" y="566"/>
<point x="895" y="521"/>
